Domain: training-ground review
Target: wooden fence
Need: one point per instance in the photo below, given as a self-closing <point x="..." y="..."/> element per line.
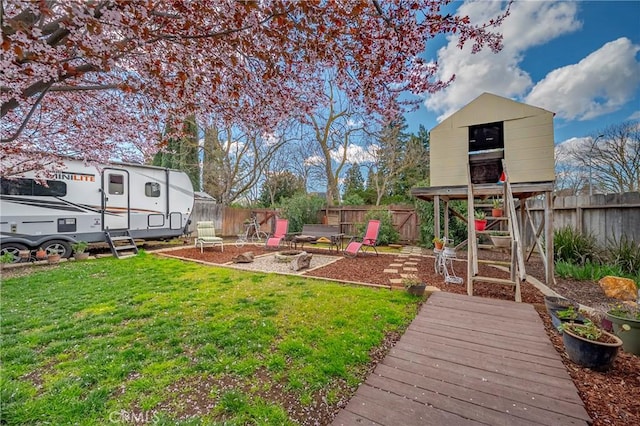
<point x="229" y="221"/>
<point x="608" y="217"/>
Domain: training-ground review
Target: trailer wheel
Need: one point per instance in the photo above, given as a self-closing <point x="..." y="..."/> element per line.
<point x="63" y="248"/>
<point x="13" y="248"/>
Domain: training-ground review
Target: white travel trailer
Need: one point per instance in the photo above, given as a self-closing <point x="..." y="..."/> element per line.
<point x="93" y="204"/>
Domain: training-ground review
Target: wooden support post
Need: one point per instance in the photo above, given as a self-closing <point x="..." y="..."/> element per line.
<point x="472" y="265"/>
<point x="446" y="218"/>
<point x="523" y="227"/>
<point x="436" y="216"/>
<point x="515" y="276"/>
<point x="548" y="236"/>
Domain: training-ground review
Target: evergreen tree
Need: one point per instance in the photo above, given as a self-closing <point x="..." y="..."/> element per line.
<point x="353" y="182"/>
<point x="408" y="178"/>
<point x="182" y="154"/>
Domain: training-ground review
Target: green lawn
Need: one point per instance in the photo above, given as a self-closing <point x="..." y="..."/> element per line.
<point x="97" y="341"/>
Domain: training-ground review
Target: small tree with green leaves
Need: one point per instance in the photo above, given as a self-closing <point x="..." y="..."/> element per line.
<point x="301" y="209"/>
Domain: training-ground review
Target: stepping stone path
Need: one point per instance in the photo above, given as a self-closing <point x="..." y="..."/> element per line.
<point x="403" y="265"/>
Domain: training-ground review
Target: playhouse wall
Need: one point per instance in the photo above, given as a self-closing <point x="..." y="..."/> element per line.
<point x="529" y="149"/>
<point x="528" y="141"/>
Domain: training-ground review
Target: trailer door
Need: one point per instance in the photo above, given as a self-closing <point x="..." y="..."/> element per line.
<point x="115" y="199"/>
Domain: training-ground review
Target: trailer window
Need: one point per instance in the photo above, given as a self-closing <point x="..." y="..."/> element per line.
<point x="22" y="186"/>
<point x="116" y="184"/>
<point x="152" y="189"/>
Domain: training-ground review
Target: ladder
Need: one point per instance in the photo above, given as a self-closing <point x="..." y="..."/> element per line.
<point x="121" y="243"/>
<point x="516" y="265"/>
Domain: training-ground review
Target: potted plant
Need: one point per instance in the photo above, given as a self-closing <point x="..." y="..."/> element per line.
<point x="558" y="302"/>
<point x="53" y="256"/>
<point x="568" y="314"/>
<point x="79" y="248"/>
<point x="480" y="220"/>
<point x="499" y="240"/>
<point x="589" y="346"/>
<point x="497" y="211"/>
<point x="41" y="254"/>
<point x="24" y="255"/>
<point x="438" y="243"/>
<point x="626" y="325"/>
<point x="413" y="285"/>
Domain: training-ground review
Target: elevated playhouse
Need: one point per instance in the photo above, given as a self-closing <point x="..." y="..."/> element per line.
<point x="495" y="149"/>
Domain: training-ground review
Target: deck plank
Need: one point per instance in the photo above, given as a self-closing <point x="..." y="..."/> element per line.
<point x="469" y="360"/>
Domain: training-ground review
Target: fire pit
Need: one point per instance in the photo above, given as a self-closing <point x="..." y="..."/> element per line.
<point x="286" y="256"/>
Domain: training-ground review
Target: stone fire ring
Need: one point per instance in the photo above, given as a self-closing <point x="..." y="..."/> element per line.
<point x="286" y="256"/>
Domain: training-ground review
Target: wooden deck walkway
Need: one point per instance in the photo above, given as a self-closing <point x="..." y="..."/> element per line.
<point x="469" y="360"/>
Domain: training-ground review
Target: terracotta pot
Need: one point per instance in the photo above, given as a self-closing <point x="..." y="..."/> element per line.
<point x="496" y="212"/>
<point x="439" y="246"/>
<point x="54" y="258"/>
<point x="41" y="255"/>
<point x="81" y="256"/>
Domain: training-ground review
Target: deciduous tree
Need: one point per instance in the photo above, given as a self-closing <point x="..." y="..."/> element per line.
<point x="101" y="78"/>
<point x="612" y="161"/>
<point x="395" y="155"/>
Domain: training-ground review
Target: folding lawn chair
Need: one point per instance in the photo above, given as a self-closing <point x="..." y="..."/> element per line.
<point x="275" y="241"/>
<point x="369" y="240"/>
<point x="207" y="235"/>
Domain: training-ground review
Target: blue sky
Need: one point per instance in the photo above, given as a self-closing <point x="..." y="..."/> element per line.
<point x="578" y="59"/>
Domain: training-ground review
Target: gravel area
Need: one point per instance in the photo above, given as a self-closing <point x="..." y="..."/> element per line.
<point x="267" y="263"/>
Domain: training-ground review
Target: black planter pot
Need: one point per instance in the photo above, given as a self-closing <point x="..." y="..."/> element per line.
<point x="417" y="290"/>
<point x="555" y="303"/>
<point x="589" y="353"/>
<point x="556" y="320"/>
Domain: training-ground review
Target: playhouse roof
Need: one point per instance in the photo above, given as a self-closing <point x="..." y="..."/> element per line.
<point x="488" y="108"/>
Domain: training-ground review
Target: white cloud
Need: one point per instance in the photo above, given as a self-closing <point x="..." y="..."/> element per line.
<point x="314" y="160"/>
<point x="635" y="116"/>
<point x="600" y="83"/>
<point x="355" y="154"/>
<point x="564" y="149"/>
<point x="531" y="23"/>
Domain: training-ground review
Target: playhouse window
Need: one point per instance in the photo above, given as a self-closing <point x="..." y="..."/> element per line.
<point x="116" y="184"/>
<point x="152" y="189"/>
<point x="21" y="186"/>
<point x="486" y="136"/>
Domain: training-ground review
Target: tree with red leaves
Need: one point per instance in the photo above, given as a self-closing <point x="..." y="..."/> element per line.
<point x="101" y="79"/>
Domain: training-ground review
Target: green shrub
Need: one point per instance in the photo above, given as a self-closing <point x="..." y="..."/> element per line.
<point x="353" y="199"/>
<point x="457" y="228"/>
<point x="387" y="234"/>
<point x="574" y="247"/>
<point x="301" y="209"/>
<point x="624" y="253"/>
<point x="587" y="272"/>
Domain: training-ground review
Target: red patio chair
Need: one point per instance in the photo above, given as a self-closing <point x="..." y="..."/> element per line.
<point x="275" y="241"/>
<point x="369" y="241"/>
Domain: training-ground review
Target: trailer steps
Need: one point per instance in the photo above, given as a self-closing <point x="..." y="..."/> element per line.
<point x="121" y="243"/>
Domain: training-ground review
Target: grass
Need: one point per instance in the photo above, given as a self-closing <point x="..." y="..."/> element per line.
<point x="161" y="339"/>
